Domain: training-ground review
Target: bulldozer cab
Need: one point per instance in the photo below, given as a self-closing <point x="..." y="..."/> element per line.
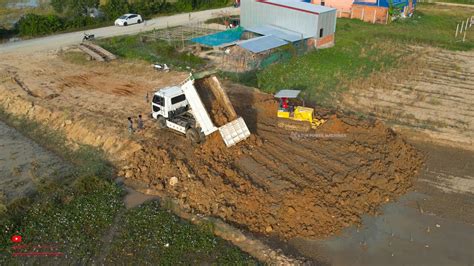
<point x="289" y="102"/>
<point x="291" y="107"/>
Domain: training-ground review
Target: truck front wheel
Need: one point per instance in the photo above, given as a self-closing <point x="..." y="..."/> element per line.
<point x="161" y="122"/>
<point x="193" y="135"/>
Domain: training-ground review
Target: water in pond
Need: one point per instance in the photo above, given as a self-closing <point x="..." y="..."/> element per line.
<point x="24" y="164"/>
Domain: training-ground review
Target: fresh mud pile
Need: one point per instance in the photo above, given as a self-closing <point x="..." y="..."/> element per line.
<point x="292" y="184"/>
<point x="220" y="112"/>
<point x="288" y="183"/>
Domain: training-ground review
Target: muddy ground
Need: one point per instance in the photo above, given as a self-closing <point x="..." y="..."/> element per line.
<point x="276" y="182"/>
<point x="431" y="225"/>
<point x="24" y="165"/>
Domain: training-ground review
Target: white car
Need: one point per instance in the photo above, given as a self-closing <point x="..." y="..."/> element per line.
<point x="128" y="19"/>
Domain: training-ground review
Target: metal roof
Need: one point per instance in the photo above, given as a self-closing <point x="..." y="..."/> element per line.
<point x="280" y="33"/>
<point x="299" y="6"/>
<point x="287" y="94"/>
<point x="170" y="91"/>
<point x="260" y="44"/>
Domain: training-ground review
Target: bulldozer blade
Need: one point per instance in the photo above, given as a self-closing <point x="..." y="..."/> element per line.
<point x="292" y="125"/>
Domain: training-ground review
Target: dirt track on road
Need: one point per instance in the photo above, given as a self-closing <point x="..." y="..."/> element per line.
<point x="276" y="182"/>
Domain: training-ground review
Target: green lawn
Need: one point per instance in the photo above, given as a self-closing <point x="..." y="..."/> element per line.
<point x="363" y="48"/>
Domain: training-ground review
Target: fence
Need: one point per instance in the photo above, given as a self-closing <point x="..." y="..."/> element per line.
<point x="463" y="27"/>
<point x="237" y="59"/>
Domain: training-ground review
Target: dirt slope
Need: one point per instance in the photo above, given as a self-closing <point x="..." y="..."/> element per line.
<point x="290" y="184"/>
<point x="293" y="184"/>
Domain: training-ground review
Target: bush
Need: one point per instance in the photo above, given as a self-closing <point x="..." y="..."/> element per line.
<point x="7" y="33"/>
<point x="115" y="8"/>
<point x="34" y="25"/>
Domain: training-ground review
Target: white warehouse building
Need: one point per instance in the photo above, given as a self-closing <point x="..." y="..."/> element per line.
<point x="308" y="21"/>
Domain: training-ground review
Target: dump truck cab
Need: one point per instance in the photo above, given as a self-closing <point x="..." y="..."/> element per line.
<point x="168" y="102"/>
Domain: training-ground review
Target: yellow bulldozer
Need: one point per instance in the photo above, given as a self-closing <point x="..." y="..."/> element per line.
<point x="295" y="116"/>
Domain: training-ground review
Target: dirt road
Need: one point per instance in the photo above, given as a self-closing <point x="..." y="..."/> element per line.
<point x="67" y="39"/>
<point x="277" y="182"/>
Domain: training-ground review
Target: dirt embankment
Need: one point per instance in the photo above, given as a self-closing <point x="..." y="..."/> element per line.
<point x="291" y="184"/>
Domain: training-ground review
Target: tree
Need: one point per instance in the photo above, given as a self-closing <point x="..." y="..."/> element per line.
<point x="115" y="8"/>
<point x="73" y="8"/>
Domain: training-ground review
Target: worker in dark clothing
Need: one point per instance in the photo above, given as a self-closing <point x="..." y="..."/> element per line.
<point x="130" y="125"/>
<point x="140" y="122"/>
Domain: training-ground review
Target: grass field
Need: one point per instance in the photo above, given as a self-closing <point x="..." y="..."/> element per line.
<point x="363" y="48"/>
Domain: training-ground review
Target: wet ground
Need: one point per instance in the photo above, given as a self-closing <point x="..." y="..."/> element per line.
<point x="24" y="164"/>
<point x="433" y="225"/>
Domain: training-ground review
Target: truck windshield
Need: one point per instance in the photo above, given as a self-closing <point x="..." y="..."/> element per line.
<point x="159" y="100"/>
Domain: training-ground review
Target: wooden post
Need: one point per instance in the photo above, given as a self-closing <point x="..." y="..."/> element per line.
<point x="386" y="19"/>
<point x="462" y="26"/>
<point x="351" y="13"/>
<point x="467" y="22"/>
<point x="362" y="17"/>
<point x="457" y="29"/>
<point x="375" y="15"/>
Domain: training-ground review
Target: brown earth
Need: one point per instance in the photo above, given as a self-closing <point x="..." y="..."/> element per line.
<point x="430" y="98"/>
<point x="287" y="183"/>
<point x="278" y="181"/>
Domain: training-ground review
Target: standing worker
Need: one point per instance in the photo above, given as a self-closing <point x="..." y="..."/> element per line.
<point x="140" y="122"/>
<point x="130" y="125"/>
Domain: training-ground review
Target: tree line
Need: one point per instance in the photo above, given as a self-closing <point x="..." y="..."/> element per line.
<point x="76" y="14"/>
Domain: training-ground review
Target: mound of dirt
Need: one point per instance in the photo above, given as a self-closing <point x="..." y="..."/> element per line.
<point x="210" y="93"/>
<point x="310" y="184"/>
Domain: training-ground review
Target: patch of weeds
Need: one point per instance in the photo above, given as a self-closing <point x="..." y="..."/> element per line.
<point x="131" y="47"/>
<point x="75" y="57"/>
<point x="150" y="234"/>
<point x="247" y="78"/>
<point x="434" y="101"/>
<point x="73" y="217"/>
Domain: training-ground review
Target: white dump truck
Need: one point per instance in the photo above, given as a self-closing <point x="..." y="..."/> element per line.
<point x="180" y="108"/>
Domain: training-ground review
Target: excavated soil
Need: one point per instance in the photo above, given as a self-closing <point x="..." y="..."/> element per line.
<point x="216" y="107"/>
<point x="310" y="184"/>
<point x="292" y="184"/>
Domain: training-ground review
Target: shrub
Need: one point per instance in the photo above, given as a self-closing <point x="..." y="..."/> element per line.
<point x="34" y="25"/>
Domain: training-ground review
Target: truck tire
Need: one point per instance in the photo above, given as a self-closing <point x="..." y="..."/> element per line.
<point x="193" y="135"/>
<point x="161" y="122"/>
